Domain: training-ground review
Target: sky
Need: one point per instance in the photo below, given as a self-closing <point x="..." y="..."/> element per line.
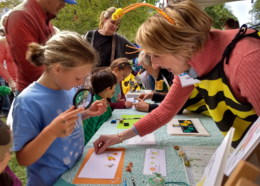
<point x="240" y="9"/>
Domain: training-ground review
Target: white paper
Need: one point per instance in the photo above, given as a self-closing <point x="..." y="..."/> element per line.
<point x="245" y="147"/>
<point x="173" y="128"/>
<point x="199" y="157"/>
<point x="149" y="139"/>
<point x="136" y="93"/>
<point x="214" y="171"/>
<point x="186" y="80"/>
<point x="154" y="162"/>
<point x="103" y="166"/>
<point x="133" y="101"/>
<point x="130" y="100"/>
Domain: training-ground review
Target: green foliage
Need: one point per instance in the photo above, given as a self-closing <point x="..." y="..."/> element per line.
<point x="219" y="13"/>
<point x="85" y="16"/>
<point x="9" y="3"/>
<point x="255" y="13"/>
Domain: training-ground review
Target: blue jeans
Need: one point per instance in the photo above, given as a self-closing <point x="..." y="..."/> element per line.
<point x="151" y="81"/>
<point x="6" y="102"/>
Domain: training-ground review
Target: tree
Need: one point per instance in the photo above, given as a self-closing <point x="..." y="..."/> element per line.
<point x="9" y="3"/>
<point x="85" y="16"/>
<point x="255" y="13"/>
<point x="219" y="13"/>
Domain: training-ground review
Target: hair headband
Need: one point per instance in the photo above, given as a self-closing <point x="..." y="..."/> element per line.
<point x="124" y="65"/>
<point x="120" y="12"/>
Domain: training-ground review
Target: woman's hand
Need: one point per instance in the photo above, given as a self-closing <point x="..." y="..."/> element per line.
<point x="128" y="104"/>
<point x="97" y="108"/>
<point x="63" y="125"/>
<point x="11" y="84"/>
<point x="145" y="96"/>
<point x="105" y="141"/>
<point x="141" y="106"/>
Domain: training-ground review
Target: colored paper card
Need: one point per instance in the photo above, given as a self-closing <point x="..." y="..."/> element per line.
<point x="186" y="127"/>
<point x="148" y="139"/>
<point x="128" y="119"/>
<point x="101" y="166"/>
<point x="214" y="171"/>
<point x="106" y="168"/>
<point x="155" y="162"/>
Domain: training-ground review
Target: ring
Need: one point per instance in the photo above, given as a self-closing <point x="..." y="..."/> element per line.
<point x="64" y="122"/>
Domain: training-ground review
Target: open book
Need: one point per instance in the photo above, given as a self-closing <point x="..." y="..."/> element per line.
<point x="245" y="147"/>
<point x="214" y="171"/>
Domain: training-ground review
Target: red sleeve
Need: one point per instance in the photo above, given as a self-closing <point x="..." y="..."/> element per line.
<point x="117" y="105"/>
<point x="20" y="31"/>
<point x="122" y="92"/>
<point x="3" y="71"/>
<point x="248" y="79"/>
<point x="173" y="102"/>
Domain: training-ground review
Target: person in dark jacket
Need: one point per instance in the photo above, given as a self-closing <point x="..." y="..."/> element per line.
<point x="107" y="42"/>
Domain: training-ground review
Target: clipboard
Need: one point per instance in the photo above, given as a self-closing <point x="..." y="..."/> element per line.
<point x="116" y="180"/>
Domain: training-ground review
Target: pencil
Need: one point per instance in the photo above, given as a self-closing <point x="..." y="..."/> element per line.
<point x="133" y="181"/>
<point x="125" y="183"/>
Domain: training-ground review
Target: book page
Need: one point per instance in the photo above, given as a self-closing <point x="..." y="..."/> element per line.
<point x="245" y="147"/>
<point x="214" y="171"/>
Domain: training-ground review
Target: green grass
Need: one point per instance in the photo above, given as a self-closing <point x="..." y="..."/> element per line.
<point x="18" y="170"/>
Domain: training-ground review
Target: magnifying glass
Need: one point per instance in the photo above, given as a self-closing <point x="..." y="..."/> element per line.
<point x="83" y="98"/>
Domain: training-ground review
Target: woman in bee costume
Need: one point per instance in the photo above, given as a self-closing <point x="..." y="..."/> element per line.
<point x="227" y="63"/>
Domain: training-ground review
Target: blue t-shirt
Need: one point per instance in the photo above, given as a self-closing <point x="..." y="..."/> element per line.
<point x="34" y="109"/>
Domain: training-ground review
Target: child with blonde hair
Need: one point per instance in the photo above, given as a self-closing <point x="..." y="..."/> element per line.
<point x="48" y="132"/>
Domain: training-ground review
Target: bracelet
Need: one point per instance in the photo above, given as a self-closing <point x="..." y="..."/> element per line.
<point x="120" y="137"/>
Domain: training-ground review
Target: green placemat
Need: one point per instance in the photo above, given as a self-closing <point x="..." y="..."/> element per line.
<point x="130" y="121"/>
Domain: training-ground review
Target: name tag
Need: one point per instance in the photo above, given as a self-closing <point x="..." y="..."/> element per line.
<point x="186" y="80"/>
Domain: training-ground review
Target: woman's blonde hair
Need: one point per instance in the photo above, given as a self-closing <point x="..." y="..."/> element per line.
<point x="67" y="48"/>
<point x="118" y="62"/>
<point x="106" y="14"/>
<point x="145" y="58"/>
<point x="187" y="35"/>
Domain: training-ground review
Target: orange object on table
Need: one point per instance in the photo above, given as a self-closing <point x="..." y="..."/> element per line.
<point x="116" y="180"/>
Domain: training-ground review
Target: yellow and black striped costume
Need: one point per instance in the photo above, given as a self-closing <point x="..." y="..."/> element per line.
<point x="226" y="110"/>
<point x="196" y="103"/>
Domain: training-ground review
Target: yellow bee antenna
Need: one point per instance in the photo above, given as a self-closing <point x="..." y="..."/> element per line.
<point x="120" y="12"/>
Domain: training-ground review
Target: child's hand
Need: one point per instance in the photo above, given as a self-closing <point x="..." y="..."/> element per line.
<point x="121" y="100"/>
<point x="97" y="108"/>
<point x="63" y="125"/>
<point x="141" y="106"/>
<point x="128" y="104"/>
<point x="145" y="96"/>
